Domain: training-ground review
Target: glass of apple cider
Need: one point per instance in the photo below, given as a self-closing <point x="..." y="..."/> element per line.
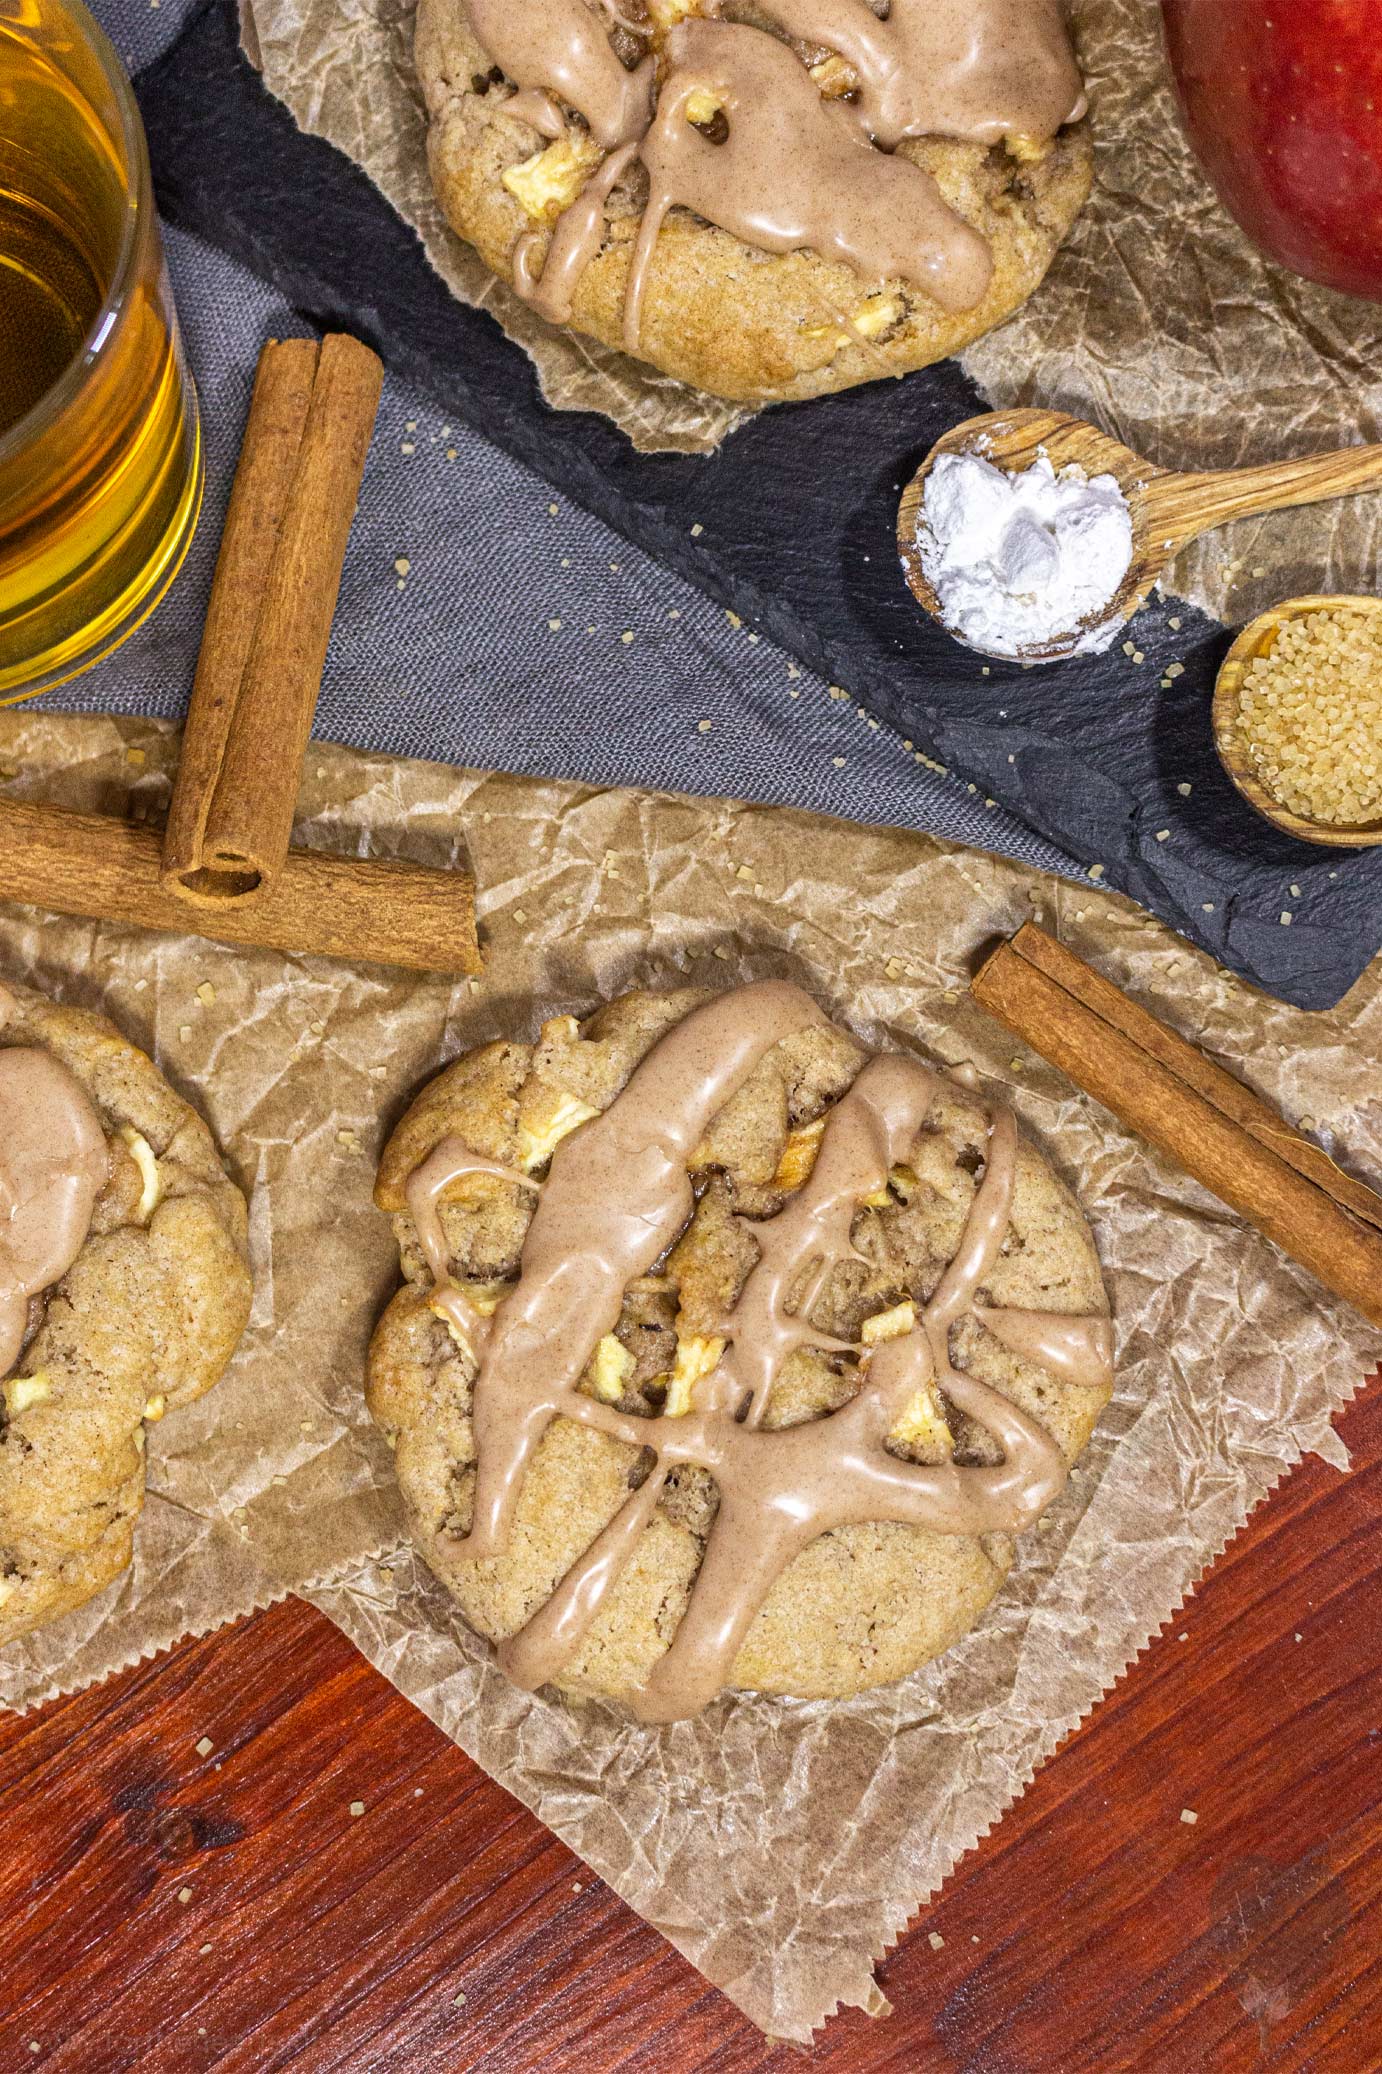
<point x="100" y="444"/>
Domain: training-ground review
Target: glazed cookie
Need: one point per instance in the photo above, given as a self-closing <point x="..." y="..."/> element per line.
<point x="124" y="1288"/>
<point x="768" y="200"/>
<point x="726" y="1354"/>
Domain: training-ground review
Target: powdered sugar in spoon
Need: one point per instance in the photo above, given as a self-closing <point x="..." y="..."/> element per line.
<point x="1168" y="509"/>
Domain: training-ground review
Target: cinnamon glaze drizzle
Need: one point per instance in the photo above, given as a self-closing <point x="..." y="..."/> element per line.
<point x="783" y="168"/>
<point x="978" y="70"/>
<point x="617" y="1196"/>
<point x="557" y="48"/>
<point x="53" y="1165"/>
<point x="794" y="171"/>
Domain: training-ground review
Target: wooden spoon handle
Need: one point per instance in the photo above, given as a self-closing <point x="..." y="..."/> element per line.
<point x="1180" y="507"/>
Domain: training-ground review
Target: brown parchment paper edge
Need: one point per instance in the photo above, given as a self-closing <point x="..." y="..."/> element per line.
<point x="272" y="1594"/>
<point x="64" y="1688"/>
<point x="1066" y="1734"/>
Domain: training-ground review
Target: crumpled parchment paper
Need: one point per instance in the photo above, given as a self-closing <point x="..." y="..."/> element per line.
<point x="345" y="69"/>
<point x="781" y="1846"/>
<point x="273" y="1478"/>
<point x="1158" y="320"/>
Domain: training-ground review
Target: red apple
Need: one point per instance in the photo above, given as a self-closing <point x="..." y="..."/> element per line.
<point x="1283" y="103"/>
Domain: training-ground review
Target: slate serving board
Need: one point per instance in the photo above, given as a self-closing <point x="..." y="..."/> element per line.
<point x="797" y="514"/>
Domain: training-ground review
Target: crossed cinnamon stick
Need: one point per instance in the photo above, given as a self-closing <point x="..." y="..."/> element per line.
<point x="225" y="868"/>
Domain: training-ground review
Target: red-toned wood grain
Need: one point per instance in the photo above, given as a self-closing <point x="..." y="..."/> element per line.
<point x="162" y="1910"/>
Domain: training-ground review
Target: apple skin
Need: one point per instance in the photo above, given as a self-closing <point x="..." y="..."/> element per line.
<point x="1283" y="103"/>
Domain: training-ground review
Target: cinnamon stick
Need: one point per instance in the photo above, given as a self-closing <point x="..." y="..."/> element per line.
<point x="1191" y="1109"/>
<point x="380" y="909"/>
<point x="269" y="620"/>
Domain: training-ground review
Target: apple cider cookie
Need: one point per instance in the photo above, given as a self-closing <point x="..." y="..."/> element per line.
<point x="769" y="199"/>
<point x="727" y="1355"/>
<point x="124" y="1289"/>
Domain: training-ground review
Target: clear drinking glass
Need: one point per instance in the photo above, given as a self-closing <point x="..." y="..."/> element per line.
<point x="100" y="443"/>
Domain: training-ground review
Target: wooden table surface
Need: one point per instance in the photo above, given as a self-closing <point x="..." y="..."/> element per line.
<point x="165" y="1908"/>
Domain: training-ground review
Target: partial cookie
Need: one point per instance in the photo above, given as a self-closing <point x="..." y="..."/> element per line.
<point x="863" y="1603"/>
<point x="145" y="1319"/>
<point x="741" y="322"/>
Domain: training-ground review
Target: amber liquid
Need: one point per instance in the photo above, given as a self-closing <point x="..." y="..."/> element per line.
<point x="100" y="452"/>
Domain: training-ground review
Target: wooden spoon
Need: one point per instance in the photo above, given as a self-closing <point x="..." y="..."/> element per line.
<point x="1168" y="509"/>
<point x="1259" y="638"/>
